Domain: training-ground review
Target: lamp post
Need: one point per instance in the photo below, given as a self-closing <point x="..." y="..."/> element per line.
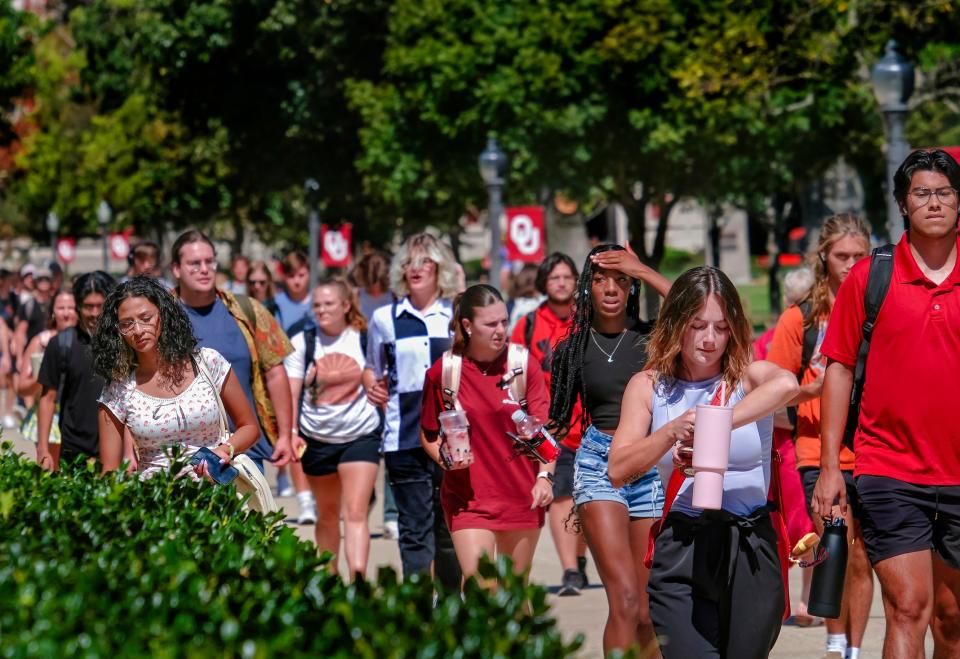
<point x="104" y="215"/>
<point x="892" y="79"/>
<point x="311" y="189"/>
<point x="493" y="168"/>
<point x="53" y="226"/>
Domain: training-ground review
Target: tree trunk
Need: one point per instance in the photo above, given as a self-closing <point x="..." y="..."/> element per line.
<point x="236" y="245"/>
<point x="636" y="214"/>
<point x="713" y="233"/>
<point x="780" y="237"/>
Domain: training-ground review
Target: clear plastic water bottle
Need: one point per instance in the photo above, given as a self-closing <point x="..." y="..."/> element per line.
<point x="541" y="443"/>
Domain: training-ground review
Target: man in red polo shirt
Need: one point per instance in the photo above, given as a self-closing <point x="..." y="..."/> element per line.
<point x="907" y="447"/>
<point x="540" y="331"/>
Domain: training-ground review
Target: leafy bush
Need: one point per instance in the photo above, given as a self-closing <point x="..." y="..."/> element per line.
<point x="97" y="566"/>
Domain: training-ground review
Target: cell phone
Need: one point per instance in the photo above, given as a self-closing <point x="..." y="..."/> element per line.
<point x="220" y="473"/>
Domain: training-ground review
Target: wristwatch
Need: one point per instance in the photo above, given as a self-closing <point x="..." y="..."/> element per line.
<point x="548" y="475"/>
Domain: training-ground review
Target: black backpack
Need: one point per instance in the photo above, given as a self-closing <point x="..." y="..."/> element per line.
<point x="531" y="319"/>
<point x="878" y="283"/>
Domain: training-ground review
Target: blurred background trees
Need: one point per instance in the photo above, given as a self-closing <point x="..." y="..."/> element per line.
<point x="214" y="112"/>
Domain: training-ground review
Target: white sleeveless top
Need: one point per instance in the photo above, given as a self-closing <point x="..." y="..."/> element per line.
<point x="747" y="479"/>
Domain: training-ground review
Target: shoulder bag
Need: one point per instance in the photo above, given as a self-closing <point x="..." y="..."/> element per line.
<point x="250" y="481"/>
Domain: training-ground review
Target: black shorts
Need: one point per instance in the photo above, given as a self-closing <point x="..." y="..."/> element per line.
<point x="899" y="518"/>
<point x="322" y="458"/>
<point x="809" y="476"/>
<point x="563" y="475"/>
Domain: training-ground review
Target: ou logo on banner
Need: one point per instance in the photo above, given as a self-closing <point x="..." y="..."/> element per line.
<point x="66" y="250"/>
<point x="335" y="245"/>
<point x="119" y="246"/>
<point x="525" y="236"/>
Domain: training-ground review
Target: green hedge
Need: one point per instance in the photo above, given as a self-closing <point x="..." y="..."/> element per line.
<point x="97" y="566"/>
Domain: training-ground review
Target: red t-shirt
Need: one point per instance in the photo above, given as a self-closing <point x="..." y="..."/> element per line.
<point x="912" y="389"/>
<point x="494" y="492"/>
<point x="548" y="331"/>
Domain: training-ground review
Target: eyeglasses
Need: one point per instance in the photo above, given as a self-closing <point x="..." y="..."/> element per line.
<point x="419" y="262"/>
<point x="946" y="196"/>
<point x="194" y="267"/>
<point x="127" y="326"/>
<point x="256" y="282"/>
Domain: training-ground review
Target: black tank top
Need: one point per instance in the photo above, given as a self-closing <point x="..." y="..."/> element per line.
<point x="606" y="372"/>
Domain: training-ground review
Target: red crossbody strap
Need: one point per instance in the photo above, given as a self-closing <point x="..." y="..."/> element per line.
<point x="783" y="546"/>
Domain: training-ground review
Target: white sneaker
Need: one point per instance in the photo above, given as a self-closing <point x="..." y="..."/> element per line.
<point x="308" y="515"/>
<point x="391" y="530"/>
<point x="284" y="486"/>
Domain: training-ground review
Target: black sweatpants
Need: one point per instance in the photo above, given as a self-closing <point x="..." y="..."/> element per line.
<point x="715" y="586"/>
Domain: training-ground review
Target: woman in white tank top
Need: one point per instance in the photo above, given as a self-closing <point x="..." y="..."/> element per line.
<point x="715" y="586"/>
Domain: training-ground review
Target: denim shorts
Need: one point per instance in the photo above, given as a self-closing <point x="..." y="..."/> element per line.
<point x="643" y="497"/>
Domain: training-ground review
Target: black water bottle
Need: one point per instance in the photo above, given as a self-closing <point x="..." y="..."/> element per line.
<point x="826" y="588"/>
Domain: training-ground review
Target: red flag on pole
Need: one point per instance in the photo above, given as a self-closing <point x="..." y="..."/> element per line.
<point x="335" y="247"/>
<point x="526" y="236"/>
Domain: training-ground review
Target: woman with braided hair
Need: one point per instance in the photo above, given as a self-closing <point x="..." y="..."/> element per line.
<point x="605" y="347"/>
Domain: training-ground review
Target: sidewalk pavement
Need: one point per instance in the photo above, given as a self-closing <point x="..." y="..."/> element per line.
<point x="584" y="614"/>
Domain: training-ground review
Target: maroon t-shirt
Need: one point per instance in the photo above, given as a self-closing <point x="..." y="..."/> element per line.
<point x="494" y="492"/>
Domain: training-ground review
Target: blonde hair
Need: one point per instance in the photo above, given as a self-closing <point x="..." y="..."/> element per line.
<point x="835" y="228"/>
<point x="686" y="297"/>
<point x="434" y="250"/>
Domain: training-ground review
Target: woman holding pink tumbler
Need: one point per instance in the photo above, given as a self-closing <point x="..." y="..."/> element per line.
<point x="715" y="583"/>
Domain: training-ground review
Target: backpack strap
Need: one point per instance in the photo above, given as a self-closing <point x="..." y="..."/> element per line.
<point x="516" y="376"/>
<point x="64" y="344"/>
<point x="878" y="283"/>
<point x="530" y="318"/>
<point x="810" y="336"/>
<point x="452" y="366"/>
<point x="310" y="347"/>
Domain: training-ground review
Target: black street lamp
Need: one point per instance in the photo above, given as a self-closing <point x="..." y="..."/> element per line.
<point x="493" y="168"/>
<point x="893" y="78"/>
<point x="311" y="188"/>
<point x="53" y="226"/>
<point x="104" y="215"/>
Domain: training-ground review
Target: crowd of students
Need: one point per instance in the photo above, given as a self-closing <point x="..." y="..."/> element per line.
<point x="327" y="383"/>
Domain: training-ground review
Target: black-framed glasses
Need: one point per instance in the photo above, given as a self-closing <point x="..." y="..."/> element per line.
<point x="947" y="196"/>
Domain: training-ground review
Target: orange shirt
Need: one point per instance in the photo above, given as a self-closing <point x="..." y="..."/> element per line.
<point x="786" y="351"/>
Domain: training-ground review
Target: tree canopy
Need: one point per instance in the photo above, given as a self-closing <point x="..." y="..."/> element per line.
<point x="195" y="111"/>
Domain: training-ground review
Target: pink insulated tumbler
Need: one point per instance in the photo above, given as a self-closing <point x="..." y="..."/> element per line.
<point x="711" y="454"/>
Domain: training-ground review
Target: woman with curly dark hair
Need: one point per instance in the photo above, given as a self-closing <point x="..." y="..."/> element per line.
<point x="605" y="347"/>
<point x="157" y="385"/>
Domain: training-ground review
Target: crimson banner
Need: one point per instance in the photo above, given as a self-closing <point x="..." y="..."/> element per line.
<point x="526" y="235"/>
<point x="335" y="247"/>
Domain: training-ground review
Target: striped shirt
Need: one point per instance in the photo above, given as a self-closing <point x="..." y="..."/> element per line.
<point x="402" y="343"/>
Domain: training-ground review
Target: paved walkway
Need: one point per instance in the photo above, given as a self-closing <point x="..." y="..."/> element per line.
<point x="586" y="613"/>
